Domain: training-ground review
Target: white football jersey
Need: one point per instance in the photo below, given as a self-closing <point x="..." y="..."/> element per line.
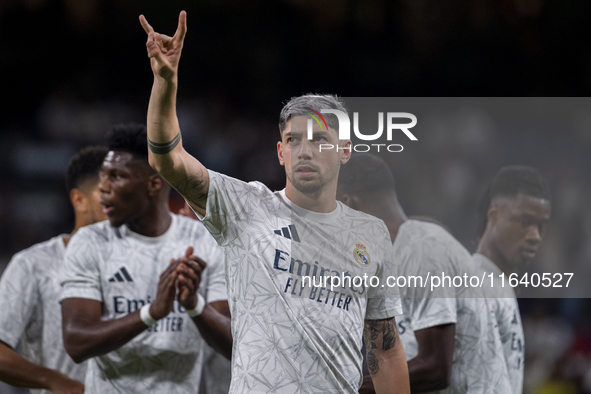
<point x="31" y="313"/>
<point x="121" y="269"/>
<point x="289" y="338"/>
<point x="217" y="372"/>
<point x="425" y="250"/>
<point x="508" y="320"/>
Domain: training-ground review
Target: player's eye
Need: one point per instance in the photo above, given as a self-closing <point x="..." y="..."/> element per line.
<point x="525" y="223"/>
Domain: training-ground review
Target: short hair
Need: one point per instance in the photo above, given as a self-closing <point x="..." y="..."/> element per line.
<point x="301" y="105"/>
<point x="131" y="138"/>
<point x="84" y="166"/>
<point x="365" y="173"/>
<point x="508" y="182"/>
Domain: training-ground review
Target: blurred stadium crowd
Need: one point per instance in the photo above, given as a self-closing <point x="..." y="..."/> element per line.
<point x="72" y="69"/>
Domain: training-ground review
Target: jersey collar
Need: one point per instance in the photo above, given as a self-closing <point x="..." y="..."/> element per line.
<point x="311" y="215"/>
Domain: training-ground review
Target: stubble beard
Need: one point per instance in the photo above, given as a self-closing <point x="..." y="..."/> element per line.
<point x="310" y="188"/>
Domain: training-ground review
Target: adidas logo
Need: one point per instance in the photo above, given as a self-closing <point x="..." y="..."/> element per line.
<point x="121" y="276"/>
<point x="288" y="232"/>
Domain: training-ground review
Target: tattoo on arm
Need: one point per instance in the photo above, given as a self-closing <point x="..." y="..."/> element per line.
<point x="192" y="188"/>
<point x="161" y="148"/>
<point x="379" y="336"/>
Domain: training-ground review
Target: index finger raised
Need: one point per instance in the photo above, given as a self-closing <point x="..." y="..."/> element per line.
<point x="144" y="22"/>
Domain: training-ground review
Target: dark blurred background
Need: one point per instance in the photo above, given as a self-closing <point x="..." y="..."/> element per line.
<point x="70" y="69"/>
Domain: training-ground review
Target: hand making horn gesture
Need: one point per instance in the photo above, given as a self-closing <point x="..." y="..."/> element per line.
<point x="164" y="51"/>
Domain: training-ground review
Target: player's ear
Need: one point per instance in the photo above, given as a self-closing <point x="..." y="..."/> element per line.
<point x="492" y="215"/>
<point x="280" y="153"/>
<point x="79" y="200"/>
<point x="347" y="147"/>
<point x="155" y="184"/>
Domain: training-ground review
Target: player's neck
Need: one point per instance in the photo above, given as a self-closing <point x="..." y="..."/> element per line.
<point x="486" y="248"/>
<point x="389" y="210"/>
<point x="153" y="223"/>
<point x="394" y="222"/>
<point x="80" y="221"/>
<point x="322" y="202"/>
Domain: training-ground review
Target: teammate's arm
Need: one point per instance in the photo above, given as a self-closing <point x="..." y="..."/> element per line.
<point x="166" y="153"/>
<point x="214" y="325"/>
<point x="385" y="357"/>
<point x="17" y="371"/>
<point x="86" y="336"/>
<point x="430" y="370"/>
<point x="214" y="322"/>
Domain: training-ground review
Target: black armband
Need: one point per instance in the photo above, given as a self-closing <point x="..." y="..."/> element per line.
<point x="164" y="147"/>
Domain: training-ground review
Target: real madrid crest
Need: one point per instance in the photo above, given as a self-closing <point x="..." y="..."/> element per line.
<point x="361" y="255"/>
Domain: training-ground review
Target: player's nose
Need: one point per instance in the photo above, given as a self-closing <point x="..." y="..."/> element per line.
<point x="306" y="151"/>
<point x="104" y="184"/>
<point x="533" y="235"/>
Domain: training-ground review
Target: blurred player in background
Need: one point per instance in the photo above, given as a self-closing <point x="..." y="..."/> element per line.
<point x="217" y="369"/>
<point x="513" y="214"/>
<point x="445" y="332"/>
<point x="119" y="299"/>
<point x="29" y="294"/>
<point x="283" y="343"/>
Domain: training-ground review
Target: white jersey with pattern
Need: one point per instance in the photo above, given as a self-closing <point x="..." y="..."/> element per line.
<point x="30" y="309"/>
<point x="507" y="322"/>
<point x="121" y="269"/>
<point x="424" y="250"/>
<point x="289" y="338"/>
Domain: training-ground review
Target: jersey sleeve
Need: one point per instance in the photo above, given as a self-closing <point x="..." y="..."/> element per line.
<point x="230" y="205"/>
<point x="216" y="282"/>
<point x="431" y="306"/>
<point x="18" y="296"/>
<point x="80" y="275"/>
<point x="384" y="302"/>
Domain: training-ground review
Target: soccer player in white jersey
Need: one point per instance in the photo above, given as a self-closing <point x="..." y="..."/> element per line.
<point x="217" y="369"/>
<point x="446" y="333"/>
<point x="285" y="340"/>
<point x="125" y="305"/>
<point x="29" y="294"/>
<point x="513" y="215"/>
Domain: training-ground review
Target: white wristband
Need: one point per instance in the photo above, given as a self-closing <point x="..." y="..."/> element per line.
<point x="198" y="308"/>
<point x="145" y="315"/>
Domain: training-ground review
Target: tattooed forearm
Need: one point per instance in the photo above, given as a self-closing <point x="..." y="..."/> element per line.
<point x="372" y="363"/>
<point x="194" y="188"/>
<point x="379" y="336"/>
<point x="390" y="335"/>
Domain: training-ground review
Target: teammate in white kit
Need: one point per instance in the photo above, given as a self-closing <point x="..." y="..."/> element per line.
<point x="446" y="333"/>
<point x="120" y="289"/>
<point x="29" y="295"/>
<point x="513" y="216"/>
<point x="287" y="338"/>
<point x="217" y="369"/>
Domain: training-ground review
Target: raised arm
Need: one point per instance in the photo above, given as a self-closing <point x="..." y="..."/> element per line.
<point x="166" y="153"/>
<point x="86" y="335"/>
<point x="385" y="357"/>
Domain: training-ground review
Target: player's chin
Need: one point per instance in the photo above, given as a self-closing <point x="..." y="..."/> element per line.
<point x="116" y="221"/>
<point x="308" y="186"/>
